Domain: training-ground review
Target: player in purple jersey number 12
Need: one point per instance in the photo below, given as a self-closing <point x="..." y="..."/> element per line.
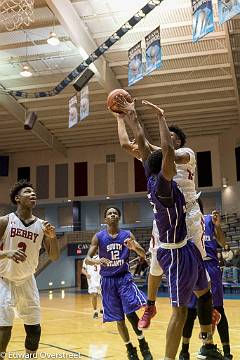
<point x="120" y="296"/>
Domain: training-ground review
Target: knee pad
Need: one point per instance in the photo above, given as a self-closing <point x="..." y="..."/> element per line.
<point x="204" y="308"/>
<point x="33" y="333"/>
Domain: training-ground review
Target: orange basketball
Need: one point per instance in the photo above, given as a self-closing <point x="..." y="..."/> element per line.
<point x="112" y="95"/>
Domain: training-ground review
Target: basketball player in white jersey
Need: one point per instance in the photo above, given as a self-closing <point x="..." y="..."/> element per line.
<point x="93" y="278"/>
<point x="185" y="165"/>
<point x="21" y="236"/>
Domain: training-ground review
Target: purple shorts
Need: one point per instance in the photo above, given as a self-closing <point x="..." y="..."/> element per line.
<point x="120" y="296"/>
<point x="185" y="272"/>
<point x="215" y="274"/>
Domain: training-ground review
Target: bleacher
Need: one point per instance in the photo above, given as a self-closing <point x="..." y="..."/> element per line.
<point x="231" y="228"/>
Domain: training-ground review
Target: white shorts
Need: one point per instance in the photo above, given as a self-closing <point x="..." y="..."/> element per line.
<point x="93" y="289"/>
<point x="195" y="227"/>
<point x="22" y="300"/>
<point x="155" y="268"/>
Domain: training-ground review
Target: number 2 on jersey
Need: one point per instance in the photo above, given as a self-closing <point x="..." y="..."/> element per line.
<point x="22" y="246"/>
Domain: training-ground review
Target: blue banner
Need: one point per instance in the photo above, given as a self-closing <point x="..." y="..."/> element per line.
<point x="84" y="103"/>
<point x="135" y="65"/>
<point x="227" y="9"/>
<point x="153" y="51"/>
<point x="202" y="18"/>
<point x="73" y="112"/>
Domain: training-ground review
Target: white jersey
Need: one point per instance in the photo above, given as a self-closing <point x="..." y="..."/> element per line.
<point x="25" y="237"/>
<point x="93" y="271"/>
<point x="185" y="176"/>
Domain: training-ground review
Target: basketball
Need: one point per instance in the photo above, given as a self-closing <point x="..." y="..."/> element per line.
<point x="111" y="99"/>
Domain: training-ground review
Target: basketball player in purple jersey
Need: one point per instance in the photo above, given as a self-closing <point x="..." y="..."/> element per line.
<point x="179" y="258"/>
<point x="185" y="164"/>
<point x="214" y="238"/>
<point x="120" y="296"/>
<point x="21" y="236"/>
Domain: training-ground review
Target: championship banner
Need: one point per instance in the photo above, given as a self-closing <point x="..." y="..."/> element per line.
<point x="227" y="9"/>
<point x="84" y="103"/>
<point x="135" y="66"/>
<point x="73" y="112"/>
<point x="202" y="18"/>
<point x="153" y="51"/>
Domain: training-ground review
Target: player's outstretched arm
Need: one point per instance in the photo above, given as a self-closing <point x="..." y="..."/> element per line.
<point x="130" y="146"/>
<point x="168" y="162"/>
<point x="132" y="120"/>
<point x="50" y="241"/>
<point x="132" y="244"/>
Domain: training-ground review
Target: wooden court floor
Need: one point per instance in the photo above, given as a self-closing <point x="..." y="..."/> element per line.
<point x="68" y="327"/>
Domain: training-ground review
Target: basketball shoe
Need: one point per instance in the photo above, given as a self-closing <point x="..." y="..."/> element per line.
<point x="227" y="357"/>
<point x="145" y="351"/>
<point x="132" y="354"/>
<point x="149" y="312"/>
<point x="184" y="356"/>
<point x="95" y="315"/>
<point x="209" y="352"/>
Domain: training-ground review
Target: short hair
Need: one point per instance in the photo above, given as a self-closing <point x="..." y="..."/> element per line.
<point x="112" y="207"/>
<point x="180" y="134"/>
<point x="21" y="184"/>
<point x="155" y="162"/>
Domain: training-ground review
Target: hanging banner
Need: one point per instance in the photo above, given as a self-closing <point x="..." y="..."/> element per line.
<point x="153" y="51"/>
<point x="202" y="18"/>
<point x="227" y="9"/>
<point x="73" y="112"/>
<point x="135" y="66"/>
<point x="84" y="103"/>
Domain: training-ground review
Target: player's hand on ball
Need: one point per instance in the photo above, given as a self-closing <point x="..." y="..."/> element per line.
<point x="130" y="243"/>
<point x="154" y="107"/>
<point x="123" y="105"/>
<point x="17" y="255"/>
<point x="49" y="230"/>
<point x="104" y="261"/>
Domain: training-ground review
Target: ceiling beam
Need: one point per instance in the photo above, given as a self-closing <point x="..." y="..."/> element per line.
<point x="18" y="111"/>
<point x="184" y="40"/>
<point x="178" y="56"/>
<point x="230" y="56"/>
<point x="80" y="36"/>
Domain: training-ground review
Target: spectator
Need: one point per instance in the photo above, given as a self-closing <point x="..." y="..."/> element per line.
<point x="141" y="267"/>
<point x="227" y="255"/>
<point x="220" y="260"/>
<point x="236" y="265"/>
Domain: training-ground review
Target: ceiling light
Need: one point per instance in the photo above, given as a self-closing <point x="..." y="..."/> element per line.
<point x="53" y="39"/>
<point x="26" y="71"/>
<point x="224" y="182"/>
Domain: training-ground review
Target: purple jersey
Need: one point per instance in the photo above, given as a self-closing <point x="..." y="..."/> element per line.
<point x="114" y="250"/>
<point x="211" y="244"/>
<point x="170" y="220"/>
